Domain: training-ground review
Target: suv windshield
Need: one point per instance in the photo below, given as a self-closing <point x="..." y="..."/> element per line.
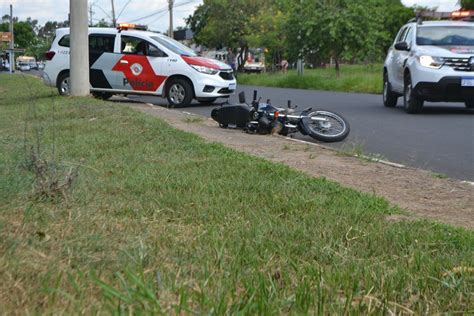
<point x="174" y="46"/>
<point x="445" y="35"/>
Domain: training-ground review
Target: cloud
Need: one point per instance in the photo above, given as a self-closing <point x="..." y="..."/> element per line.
<point x="442" y="5"/>
<point x="57" y="10"/>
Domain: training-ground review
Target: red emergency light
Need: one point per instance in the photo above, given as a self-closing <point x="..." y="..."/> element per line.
<point x="462" y="14"/>
<point x="131" y="26"/>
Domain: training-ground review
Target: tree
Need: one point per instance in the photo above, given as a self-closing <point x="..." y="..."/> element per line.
<point x="23" y="32"/>
<point x="352" y="30"/>
<point x="467" y="4"/>
<point x="225" y="23"/>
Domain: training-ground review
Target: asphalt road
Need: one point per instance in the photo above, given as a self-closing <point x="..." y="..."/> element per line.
<point x="441" y="139"/>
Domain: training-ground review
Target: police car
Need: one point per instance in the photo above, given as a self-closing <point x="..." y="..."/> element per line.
<point x="131" y="60"/>
<point x="431" y="61"/>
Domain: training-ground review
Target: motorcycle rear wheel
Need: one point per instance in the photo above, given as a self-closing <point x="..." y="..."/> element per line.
<point x="334" y="129"/>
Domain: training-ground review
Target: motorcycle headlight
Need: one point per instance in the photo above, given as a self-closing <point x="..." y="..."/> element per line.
<point x="431" y="62"/>
<point x="205" y="70"/>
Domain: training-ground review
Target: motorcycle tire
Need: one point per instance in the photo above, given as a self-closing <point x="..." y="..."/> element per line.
<point x="335" y="129"/>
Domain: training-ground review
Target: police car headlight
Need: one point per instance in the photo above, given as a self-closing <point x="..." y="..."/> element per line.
<point x="205" y="70"/>
<point x="431" y="62"/>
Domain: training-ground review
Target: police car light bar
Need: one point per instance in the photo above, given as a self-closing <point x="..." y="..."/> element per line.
<point x="131" y="26"/>
<point x="462" y="14"/>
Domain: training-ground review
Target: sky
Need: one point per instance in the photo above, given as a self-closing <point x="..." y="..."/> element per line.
<point x="154" y="13"/>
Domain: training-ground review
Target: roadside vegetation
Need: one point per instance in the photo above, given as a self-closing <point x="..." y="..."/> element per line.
<point x="354" y="78"/>
<point x="158" y="221"/>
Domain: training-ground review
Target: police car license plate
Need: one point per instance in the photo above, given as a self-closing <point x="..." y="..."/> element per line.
<point x="467" y="82"/>
<point x="232" y="86"/>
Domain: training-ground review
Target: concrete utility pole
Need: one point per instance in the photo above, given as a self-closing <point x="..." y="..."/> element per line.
<point x="114" y="20"/>
<point x="170" y="7"/>
<point x="12" y="42"/>
<point x="79" y="58"/>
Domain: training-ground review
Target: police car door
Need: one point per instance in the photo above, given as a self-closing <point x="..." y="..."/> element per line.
<point x="139" y="68"/>
<point x="400" y="58"/>
<point x="101" y="60"/>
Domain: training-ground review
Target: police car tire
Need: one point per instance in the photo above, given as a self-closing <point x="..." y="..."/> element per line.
<point x="412" y="103"/>
<point x="389" y="97"/>
<point x="469" y="104"/>
<point x="187" y="88"/>
<point x="61" y="79"/>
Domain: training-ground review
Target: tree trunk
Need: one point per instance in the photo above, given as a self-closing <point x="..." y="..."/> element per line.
<point x="243" y="54"/>
<point x="338" y="70"/>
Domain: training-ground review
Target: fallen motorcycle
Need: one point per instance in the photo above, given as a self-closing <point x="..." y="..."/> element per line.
<point x="264" y="118"/>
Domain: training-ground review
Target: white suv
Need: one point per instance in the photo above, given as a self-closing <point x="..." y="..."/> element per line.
<point x="129" y="61"/>
<point x="432" y="61"/>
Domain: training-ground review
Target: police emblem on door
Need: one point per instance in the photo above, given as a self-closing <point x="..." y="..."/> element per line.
<point x="136" y="69"/>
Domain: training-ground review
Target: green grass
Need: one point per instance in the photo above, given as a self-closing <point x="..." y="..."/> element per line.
<point x="354" y="78"/>
<point x="159" y="221"/>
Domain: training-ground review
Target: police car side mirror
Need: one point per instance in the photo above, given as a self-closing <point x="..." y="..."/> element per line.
<point x="402" y="46"/>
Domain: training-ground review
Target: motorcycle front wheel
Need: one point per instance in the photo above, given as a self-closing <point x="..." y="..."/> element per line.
<point x="333" y="128"/>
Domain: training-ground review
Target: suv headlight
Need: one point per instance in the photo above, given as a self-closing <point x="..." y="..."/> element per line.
<point x="205" y="70"/>
<point x="431" y="62"/>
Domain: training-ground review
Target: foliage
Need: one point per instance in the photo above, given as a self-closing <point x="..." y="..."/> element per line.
<point x="467" y="4"/>
<point x="355" y="30"/>
<point x="23" y="32"/>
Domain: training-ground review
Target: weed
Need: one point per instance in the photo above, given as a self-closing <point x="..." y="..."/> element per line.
<point x="439" y="175"/>
<point x="193" y="119"/>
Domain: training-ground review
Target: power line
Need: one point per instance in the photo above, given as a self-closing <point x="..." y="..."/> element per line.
<point x="124" y="7"/>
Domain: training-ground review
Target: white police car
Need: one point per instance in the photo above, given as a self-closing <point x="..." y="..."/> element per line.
<point x="431" y="61"/>
<point x="128" y="60"/>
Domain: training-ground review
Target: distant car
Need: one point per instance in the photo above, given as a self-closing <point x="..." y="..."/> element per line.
<point x="430" y="61"/>
<point x="24" y="66"/>
<point x="257" y="67"/>
<point x="40" y="66"/>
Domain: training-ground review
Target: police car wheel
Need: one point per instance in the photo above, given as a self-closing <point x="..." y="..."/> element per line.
<point x="63" y="84"/>
<point x="412" y="103"/>
<point x="179" y="93"/>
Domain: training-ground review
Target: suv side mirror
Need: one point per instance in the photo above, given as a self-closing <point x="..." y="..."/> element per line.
<point x="402" y="46"/>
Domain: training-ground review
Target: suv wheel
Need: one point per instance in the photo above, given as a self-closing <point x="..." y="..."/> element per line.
<point x="64" y="84"/>
<point x="469" y="104"/>
<point x="412" y="103"/>
<point x="179" y="93"/>
<point x="389" y="97"/>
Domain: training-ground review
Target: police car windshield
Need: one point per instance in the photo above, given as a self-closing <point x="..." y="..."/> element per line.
<point x="174" y="46"/>
<point x="445" y="35"/>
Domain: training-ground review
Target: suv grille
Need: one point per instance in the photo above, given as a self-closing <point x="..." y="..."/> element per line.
<point x="226" y="75"/>
<point x="460" y="64"/>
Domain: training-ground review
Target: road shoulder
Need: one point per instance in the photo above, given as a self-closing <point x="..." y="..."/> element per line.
<point x="420" y="192"/>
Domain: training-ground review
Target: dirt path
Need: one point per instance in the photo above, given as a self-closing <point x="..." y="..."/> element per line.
<point x="444" y="200"/>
